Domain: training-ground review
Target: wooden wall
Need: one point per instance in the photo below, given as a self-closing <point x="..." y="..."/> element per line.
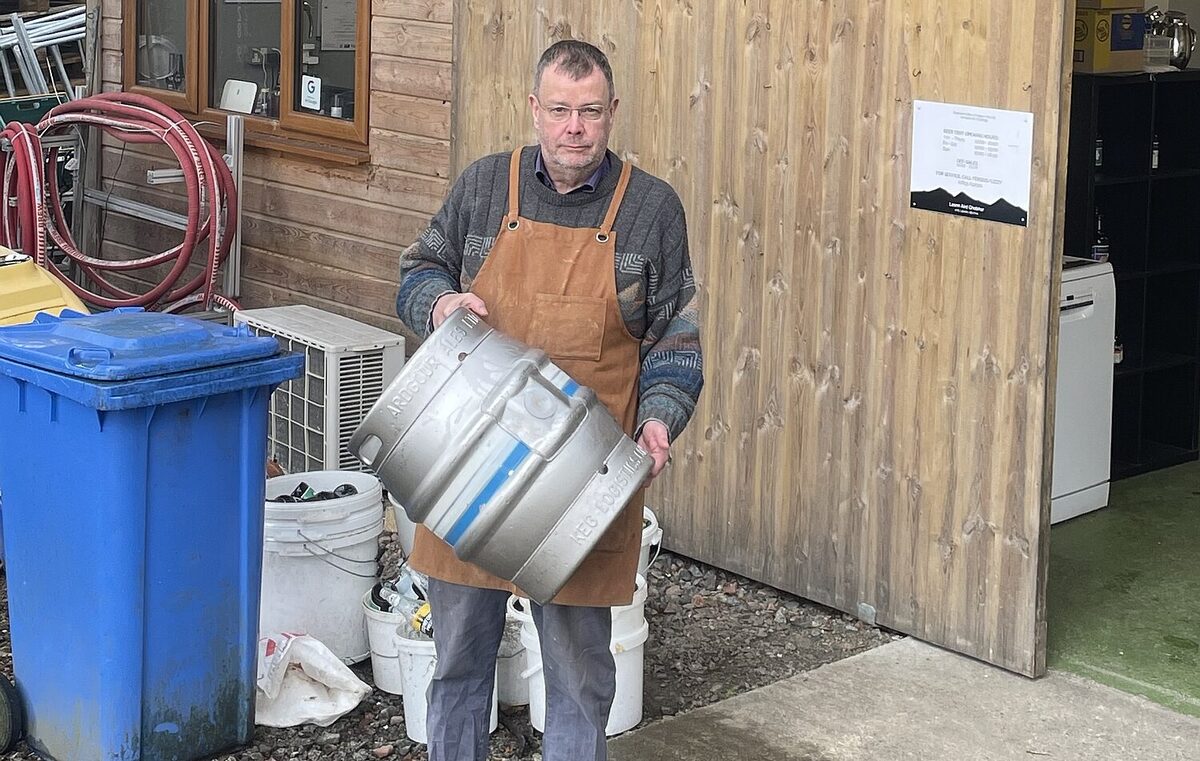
<point x="316" y="233"/>
<point x="873" y="432"/>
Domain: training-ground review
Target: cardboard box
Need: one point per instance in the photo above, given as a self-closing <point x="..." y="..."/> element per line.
<point x="1109" y="40"/>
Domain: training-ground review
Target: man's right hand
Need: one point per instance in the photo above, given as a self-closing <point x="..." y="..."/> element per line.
<point x="445" y="306"/>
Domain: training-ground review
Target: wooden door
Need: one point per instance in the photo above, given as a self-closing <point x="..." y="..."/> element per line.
<point x="874" y="434"/>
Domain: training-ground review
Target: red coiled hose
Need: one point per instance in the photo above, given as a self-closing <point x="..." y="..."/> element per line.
<point x="37" y="218"/>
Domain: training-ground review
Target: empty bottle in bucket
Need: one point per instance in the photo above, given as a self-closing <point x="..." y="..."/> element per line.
<point x="501" y="454"/>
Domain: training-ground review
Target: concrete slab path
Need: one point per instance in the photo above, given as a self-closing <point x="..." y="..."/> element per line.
<point x="909" y="701"/>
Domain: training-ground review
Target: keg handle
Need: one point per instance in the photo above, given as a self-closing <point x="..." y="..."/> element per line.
<point x="513" y="383"/>
<point x="437" y="478"/>
<point x="526" y="370"/>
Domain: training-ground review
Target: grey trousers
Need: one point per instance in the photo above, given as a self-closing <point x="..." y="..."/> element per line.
<point x="577" y="665"/>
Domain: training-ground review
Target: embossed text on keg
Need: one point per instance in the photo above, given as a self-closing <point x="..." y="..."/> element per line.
<point x="419" y="375"/>
<point x="610" y="499"/>
<point x="416" y="378"/>
<point x="453" y="338"/>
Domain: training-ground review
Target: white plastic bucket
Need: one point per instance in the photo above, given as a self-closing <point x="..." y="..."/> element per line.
<point x="406" y="530"/>
<point x="651" y="541"/>
<point x="627" y="619"/>
<point x="417" y="658"/>
<point x="382" y="636"/>
<point x="512" y="688"/>
<point x="519" y="609"/>
<point x="629" y="633"/>
<point x="629" y="656"/>
<point x="319" y="559"/>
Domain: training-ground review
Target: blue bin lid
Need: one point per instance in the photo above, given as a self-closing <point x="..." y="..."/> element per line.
<point x="127" y="343"/>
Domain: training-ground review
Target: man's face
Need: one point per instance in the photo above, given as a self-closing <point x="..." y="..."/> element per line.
<point x="575" y="142"/>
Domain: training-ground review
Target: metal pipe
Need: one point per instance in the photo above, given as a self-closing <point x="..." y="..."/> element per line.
<point x="234" y="144"/>
<point x="135" y="209"/>
<point x="8" y="80"/>
<point x="26" y="50"/>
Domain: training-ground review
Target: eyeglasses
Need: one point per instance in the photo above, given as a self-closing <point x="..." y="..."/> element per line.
<point x="562" y="113"/>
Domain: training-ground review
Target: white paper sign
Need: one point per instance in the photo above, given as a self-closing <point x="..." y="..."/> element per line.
<point x="339" y="24"/>
<point x="310" y="92"/>
<point x="971" y="161"/>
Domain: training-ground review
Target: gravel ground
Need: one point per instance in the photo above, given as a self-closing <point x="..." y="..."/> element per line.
<point x="713" y="635"/>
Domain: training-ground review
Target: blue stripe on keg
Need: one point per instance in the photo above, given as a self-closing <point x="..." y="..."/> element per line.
<point x="514" y="459"/>
<point x="511" y="463"/>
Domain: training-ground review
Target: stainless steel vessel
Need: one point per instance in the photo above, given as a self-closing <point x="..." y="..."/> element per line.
<point x="500" y="453"/>
<point x="1174" y="26"/>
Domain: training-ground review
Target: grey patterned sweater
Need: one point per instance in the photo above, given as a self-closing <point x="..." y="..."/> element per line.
<point x="654" y="278"/>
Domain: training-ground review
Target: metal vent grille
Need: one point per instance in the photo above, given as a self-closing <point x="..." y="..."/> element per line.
<point x="347" y="366"/>
<point x="362" y="384"/>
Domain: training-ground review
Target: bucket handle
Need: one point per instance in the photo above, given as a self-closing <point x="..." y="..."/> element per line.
<point x="654" y="558"/>
<point x="325" y="558"/>
<point x="657" y="545"/>
<point x="531" y="670"/>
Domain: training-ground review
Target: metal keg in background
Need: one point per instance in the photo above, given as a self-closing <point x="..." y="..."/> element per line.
<point x="501" y="454"/>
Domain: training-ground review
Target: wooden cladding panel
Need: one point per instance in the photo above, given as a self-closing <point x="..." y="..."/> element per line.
<point x="110" y="33"/>
<point x="263" y="292"/>
<point x="420" y="10"/>
<point x="315" y="209"/>
<point x="398" y="150"/>
<point x="411" y="76"/>
<point x="413" y="39"/>
<point x="407" y="191"/>
<point x="416" y="116"/>
<point x="873" y="430"/>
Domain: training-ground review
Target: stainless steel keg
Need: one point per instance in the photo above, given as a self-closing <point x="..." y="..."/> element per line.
<point x="501" y="454"/>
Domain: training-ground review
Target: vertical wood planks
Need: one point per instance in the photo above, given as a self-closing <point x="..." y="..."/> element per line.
<point x="873" y="430"/>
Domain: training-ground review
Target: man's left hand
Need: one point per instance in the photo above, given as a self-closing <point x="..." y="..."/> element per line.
<point x="656" y="440"/>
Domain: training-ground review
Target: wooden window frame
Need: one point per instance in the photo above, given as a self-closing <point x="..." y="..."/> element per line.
<point x="184" y="102"/>
<point x="294" y="130"/>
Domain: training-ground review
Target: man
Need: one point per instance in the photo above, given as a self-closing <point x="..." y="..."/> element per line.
<point x="567" y="248"/>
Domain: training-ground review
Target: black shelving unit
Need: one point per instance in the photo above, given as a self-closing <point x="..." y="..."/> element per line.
<point x="1152" y="220"/>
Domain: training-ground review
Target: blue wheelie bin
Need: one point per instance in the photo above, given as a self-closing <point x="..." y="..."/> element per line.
<point x="132" y="456"/>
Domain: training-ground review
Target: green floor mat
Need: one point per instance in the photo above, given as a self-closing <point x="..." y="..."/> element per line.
<point x="1124" y="590"/>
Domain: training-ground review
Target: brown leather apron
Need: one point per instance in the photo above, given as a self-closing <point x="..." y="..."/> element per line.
<point x="555" y="288"/>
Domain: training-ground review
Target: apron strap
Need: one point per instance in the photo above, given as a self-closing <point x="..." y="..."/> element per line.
<point x="514" y="183"/>
<point x="615" y="204"/>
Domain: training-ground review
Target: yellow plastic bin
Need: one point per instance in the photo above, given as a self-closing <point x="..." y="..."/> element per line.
<point x="26" y="289"/>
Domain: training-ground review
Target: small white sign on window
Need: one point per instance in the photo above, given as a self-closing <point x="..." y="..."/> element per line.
<point x="310" y="92"/>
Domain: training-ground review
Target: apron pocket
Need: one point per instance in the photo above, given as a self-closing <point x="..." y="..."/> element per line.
<point x="568" y="327"/>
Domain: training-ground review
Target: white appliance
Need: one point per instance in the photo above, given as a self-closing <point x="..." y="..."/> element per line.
<point x="347" y="364"/>
<point x="1083" y="402"/>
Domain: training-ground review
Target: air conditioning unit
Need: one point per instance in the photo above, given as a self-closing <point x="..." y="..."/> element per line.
<point x="347" y="365"/>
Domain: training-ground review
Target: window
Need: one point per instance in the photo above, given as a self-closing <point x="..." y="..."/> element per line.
<point x="298" y="69"/>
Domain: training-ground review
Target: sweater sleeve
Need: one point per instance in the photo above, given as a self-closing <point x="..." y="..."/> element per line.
<point x="432" y="266"/>
<point x="672" y="360"/>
